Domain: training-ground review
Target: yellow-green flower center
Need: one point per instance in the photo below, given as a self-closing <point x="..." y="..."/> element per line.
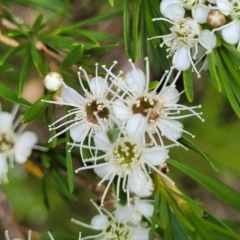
<point x="7" y="141"/>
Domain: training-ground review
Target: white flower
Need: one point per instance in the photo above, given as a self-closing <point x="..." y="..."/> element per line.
<point x="127" y="159"/>
<point x="53" y="81"/>
<point x="92" y="113"/>
<point x="230" y="31"/>
<point x="159" y="108"/>
<point x="112" y="229"/>
<point x="134" y="213"/>
<point x="186" y="35"/>
<point x="14" y="145"/>
<point x="8" y="238"/>
<point x="198" y="8"/>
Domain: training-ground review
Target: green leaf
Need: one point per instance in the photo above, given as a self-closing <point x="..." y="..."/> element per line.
<point x="37" y="108"/>
<point x="5" y="56"/>
<point x="24" y="72"/>
<point x="6" y="68"/>
<point x="73" y="57"/>
<point x="164" y="214"/>
<point x="221" y="190"/>
<point x="54" y="5"/>
<point x="37" y="59"/>
<point x="147" y="16"/>
<point x="155" y="212"/>
<point x="177" y="228"/>
<point x="230" y="67"/>
<point x="62" y="185"/>
<point x="226" y="79"/>
<point x="143" y="35"/>
<point x="126" y="30"/>
<point x="8" y="94"/>
<point x="38" y="22"/>
<point x="136" y="29"/>
<point x="90" y="21"/>
<point x="232" y="49"/>
<point x="215" y="79"/>
<point x="188" y="85"/>
<point x="153" y="85"/>
<point x="45" y="193"/>
<point x="187" y="143"/>
<point x="232" y="224"/>
<point x="59" y="42"/>
<point x="111" y="2"/>
<point x="113" y="134"/>
<point x="70" y="172"/>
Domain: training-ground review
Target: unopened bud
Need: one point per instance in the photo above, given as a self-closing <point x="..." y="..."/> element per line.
<point x="215" y="18"/>
<point x="53" y="81"/>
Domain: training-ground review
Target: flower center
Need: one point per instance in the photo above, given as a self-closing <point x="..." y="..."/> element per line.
<point x="96" y="111"/>
<point x="116" y="231"/>
<point x="189" y="4"/>
<point x="235" y="13"/>
<point x="186" y="31"/>
<point x="7" y="141"/>
<point x="145" y="104"/>
<point x="127" y="154"/>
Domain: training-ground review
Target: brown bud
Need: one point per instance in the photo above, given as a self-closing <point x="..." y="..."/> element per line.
<point x="215" y="18"/>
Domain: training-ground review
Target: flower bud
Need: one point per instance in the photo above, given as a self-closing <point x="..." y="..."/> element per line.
<point x="215" y="18"/>
<point x="53" y="81"/>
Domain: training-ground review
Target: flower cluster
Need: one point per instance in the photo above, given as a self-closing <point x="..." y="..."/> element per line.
<point x="188" y="39"/>
<point x="124" y="127"/>
<point x="15" y="145"/>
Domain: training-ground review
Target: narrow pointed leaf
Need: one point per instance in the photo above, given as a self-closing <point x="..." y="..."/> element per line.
<point x="25" y="69"/>
<point x="214" y="76"/>
<point x="8" y="94"/>
<point x="226" y="79"/>
<point x="37" y="108"/>
<point x="126" y="30"/>
<point x="37" y="59"/>
<point x="73" y="57"/>
<point x="177" y="228"/>
<point x="221" y="190"/>
<point x="38" y="22"/>
<point x="187" y="143"/>
<point x="136" y="28"/>
<point x="188" y="84"/>
<point x="70" y="172"/>
<point x="111" y="2"/>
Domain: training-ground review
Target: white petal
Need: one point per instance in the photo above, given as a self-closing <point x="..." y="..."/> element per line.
<point x="174" y="12"/>
<point x="165" y="4"/>
<point x="139" y="183"/>
<point x="212" y="1"/>
<point x="145" y="208"/>
<point x="181" y="59"/>
<point x="171" y="129"/>
<point x="136" y="125"/>
<point x="78" y="132"/>
<point x="171" y="96"/>
<point x="168" y="39"/>
<point x="3" y="169"/>
<point x="6" y="120"/>
<point x="200" y="13"/>
<point x="99" y="221"/>
<point x="139" y="234"/>
<point x="224" y="6"/>
<point x="156" y="155"/>
<point x="120" y="109"/>
<point x="123" y="213"/>
<point x="208" y="39"/>
<point x="69" y="95"/>
<point x="136" y="81"/>
<point x="231" y="33"/>
<point x="24" y="146"/>
<point x="102" y="141"/>
<point x="103" y="171"/>
<point x="28" y="138"/>
<point x="98" y="86"/>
